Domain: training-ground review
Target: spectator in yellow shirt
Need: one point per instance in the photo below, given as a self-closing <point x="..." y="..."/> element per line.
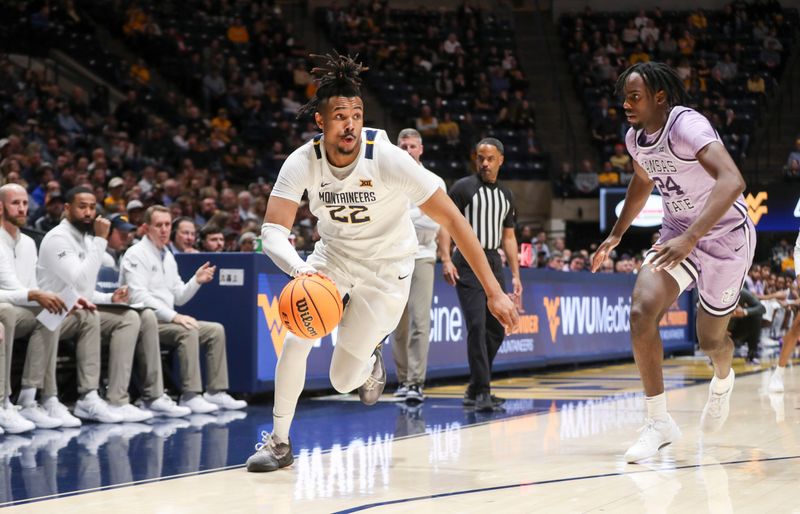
<point x="221" y="121"/>
<point x="115" y="202"/>
<point x="140" y="73"/>
<point x="449" y="129"/>
<point x="609" y="176"/>
<point x="639" y="55"/>
<point x="237" y="33"/>
<point x="619" y="161"/>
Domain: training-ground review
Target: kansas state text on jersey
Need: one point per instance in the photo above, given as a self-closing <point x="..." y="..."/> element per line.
<point x="669" y="160"/>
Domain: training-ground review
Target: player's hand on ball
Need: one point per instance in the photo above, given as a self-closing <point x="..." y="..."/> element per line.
<point x="185" y="321"/>
<point x="503" y="308"/>
<point x="205" y="273"/>
<point x="603" y="251"/>
<point x="672" y="252"/>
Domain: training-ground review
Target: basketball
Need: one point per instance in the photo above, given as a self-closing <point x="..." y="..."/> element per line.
<point x="310" y="306"/>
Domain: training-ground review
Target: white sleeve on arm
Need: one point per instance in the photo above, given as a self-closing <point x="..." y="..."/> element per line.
<point x="275" y="243"/>
<point x="401" y="171"/>
<point x="292" y="182"/>
<point x="134" y="274"/>
<point x="63" y="261"/>
<point x="181" y="292"/>
<point x="11" y="290"/>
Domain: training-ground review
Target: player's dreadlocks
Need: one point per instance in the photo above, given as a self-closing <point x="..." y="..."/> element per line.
<point x="338" y="75"/>
<point x="657" y="76"/>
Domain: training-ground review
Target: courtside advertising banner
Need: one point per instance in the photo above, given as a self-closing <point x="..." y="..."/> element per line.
<point x="567" y="318"/>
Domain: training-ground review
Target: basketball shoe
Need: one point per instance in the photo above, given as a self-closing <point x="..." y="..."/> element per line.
<point x="271" y="454"/>
<point x="654" y="435"/>
<point x="372" y="389"/>
<point x="717" y="407"/>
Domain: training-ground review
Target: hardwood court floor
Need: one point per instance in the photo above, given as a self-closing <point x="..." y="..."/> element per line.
<point x="557" y="448"/>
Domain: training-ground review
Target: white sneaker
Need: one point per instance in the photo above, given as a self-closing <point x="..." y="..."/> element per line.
<point x="654" y="436"/>
<point x="224" y="401"/>
<point x="166" y="406"/>
<point x="717" y="408"/>
<point x="39" y="416"/>
<point x="130" y="413"/>
<point x="775" y="382"/>
<point x="199" y="405"/>
<point x="56" y="409"/>
<point x="12" y="422"/>
<point x="94" y="408"/>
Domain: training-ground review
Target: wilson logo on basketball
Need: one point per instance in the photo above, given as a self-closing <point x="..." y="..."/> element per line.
<point x="308" y="320"/>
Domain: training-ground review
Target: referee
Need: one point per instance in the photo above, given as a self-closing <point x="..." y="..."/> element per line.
<point x="489" y="208"/>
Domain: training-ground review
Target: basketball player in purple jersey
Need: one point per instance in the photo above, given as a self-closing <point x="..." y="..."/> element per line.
<point x="706" y="241"/>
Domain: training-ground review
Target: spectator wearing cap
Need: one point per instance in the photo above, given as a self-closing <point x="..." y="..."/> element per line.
<point x="112" y="300"/>
<point x="135" y="210"/>
<point x="115" y="202"/>
<point x="212" y="239"/>
<point x="247" y="242"/>
<point x="54" y="207"/>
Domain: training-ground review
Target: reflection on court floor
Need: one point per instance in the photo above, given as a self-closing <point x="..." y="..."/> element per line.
<point x="555" y="447"/>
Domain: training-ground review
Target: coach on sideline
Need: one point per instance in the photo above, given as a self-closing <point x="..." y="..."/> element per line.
<point x="489" y="208"/>
<point x="151" y="273"/>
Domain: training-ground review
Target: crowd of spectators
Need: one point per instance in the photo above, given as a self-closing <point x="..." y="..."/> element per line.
<point x="453" y="75"/>
<point x="730" y="61"/>
<point x="539" y="250"/>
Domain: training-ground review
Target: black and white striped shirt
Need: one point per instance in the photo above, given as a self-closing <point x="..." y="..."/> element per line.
<point x="489" y="208"/>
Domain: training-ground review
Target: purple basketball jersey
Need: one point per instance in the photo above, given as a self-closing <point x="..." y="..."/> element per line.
<point x="684" y="184"/>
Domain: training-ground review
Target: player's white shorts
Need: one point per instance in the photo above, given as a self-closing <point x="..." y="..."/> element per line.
<point x="378" y="292"/>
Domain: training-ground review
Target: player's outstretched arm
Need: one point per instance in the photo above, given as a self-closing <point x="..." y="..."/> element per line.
<point x="636" y="197"/>
<point x="442" y="209"/>
<point x="727" y="188"/>
<point x="275" y="231"/>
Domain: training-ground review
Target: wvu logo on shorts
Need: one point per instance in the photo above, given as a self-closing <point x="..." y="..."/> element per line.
<point x="365" y="182"/>
<point x="553" y="319"/>
<point x="756" y="206"/>
<point x="277" y="330"/>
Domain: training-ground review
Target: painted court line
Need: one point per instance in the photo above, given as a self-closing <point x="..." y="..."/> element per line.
<point x="554" y="481"/>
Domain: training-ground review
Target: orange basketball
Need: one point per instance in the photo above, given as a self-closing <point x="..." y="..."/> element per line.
<point x="310" y="306"/>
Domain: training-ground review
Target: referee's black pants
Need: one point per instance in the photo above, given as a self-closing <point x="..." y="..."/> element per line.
<point x="484" y="333"/>
<point x="748" y="330"/>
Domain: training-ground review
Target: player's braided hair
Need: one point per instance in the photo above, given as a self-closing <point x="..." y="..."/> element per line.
<point x="338" y="75"/>
<point x="657" y="76"/>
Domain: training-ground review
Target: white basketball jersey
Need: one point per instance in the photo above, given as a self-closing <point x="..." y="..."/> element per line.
<point x="364" y="215"/>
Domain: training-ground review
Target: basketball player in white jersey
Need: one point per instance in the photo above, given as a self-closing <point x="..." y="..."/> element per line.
<point x="706" y="240"/>
<point x="359" y="186"/>
<point x="791" y="337"/>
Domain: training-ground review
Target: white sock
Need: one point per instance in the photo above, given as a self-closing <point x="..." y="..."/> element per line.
<point x="27" y="396"/>
<point x="721" y="385"/>
<point x="779" y="371"/>
<point x="657" y="406"/>
<point x="91" y="395"/>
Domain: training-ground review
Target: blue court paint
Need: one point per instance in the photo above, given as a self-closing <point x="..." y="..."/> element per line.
<point x="50" y="463"/>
